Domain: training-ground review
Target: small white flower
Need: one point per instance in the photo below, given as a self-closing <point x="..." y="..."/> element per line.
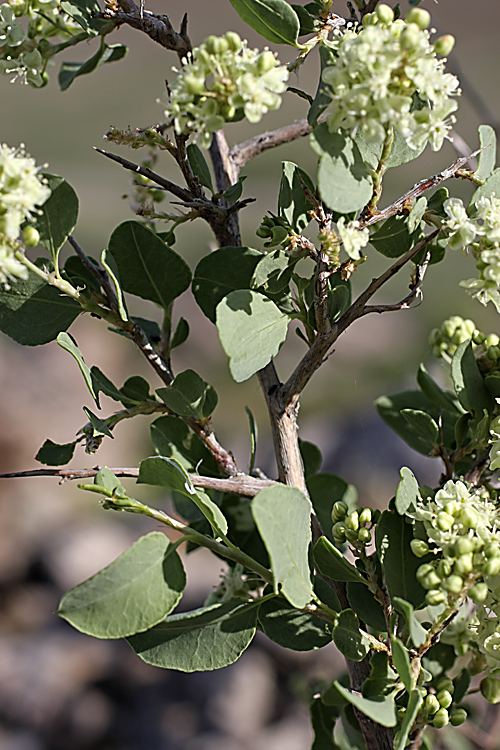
<point x="462" y="229"/>
<point x="353" y="238"/>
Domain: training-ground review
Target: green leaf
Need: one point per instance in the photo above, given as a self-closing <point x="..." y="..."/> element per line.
<point x="468" y="381"/>
<point x="490" y="187"/>
<point x="205" y="639"/>
<point x="110" y="266"/>
<point x="275" y="20"/>
<point x="251" y="329"/>
<point x="67" y="342"/>
<point x="321" y="99"/>
<point x="130" y="595"/>
<point x="382" y="677"/>
<point x="57" y="217"/>
<point x="407" y="493"/>
<point x="180" y="334"/>
<point x="323" y="720"/>
<point x="54" y="454"/>
<point x="443" y="399"/>
<point x="106" y="53"/>
<point x="253" y="439"/>
<point x="105" y="478"/>
<point x="415" y="701"/>
<point x="172" y="438"/>
<point x="135" y="390"/>
<point x="393" y="536"/>
<point x="189" y="396"/>
<point x="333" y="564"/>
<point x="81" y="12"/>
<point x="233" y="193"/>
<point x="104" y="385"/>
<point x="99" y="426"/>
<point x="392" y="239"/>
<point x="344" y="181"/>
<point x="423" y="424"/>
<point x="167" y="472"/>
<point x="311" y="458"/>
<point x="401" y="660"/>
<point x="382" y="710"/>
<point x="366" y="606"/>
<point x="292" y="202"/>
<point x="199" y="165"/>
<point x="148" y="268"/>
<point x="401" y="153"/>
<point x="283" y="517"/>
<point x="418" y="633"/>
<point x="488" y="158"/>
<point x="347" y="637"/>
<point x="325" y="490"/>
<point x="273" y="273"/>
<point x="299" y="631"/>
<point x="390" y="408"/>
<point x="32" y="312"/>
<point x="222" y="272"/>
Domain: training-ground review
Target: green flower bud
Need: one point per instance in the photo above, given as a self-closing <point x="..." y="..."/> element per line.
<point x="492" y="567"/>
<point x="339" y="511"/>
<point x="419" y="547"/>
<point x="478" y="337"/>
<point x="385" y="14"/>
<point x="469" y="518"/>
<point x="31" y="237"/>
<point x="463" y="546"/>
<point x="444" y="698"/>
<point x="194" y="85"/>
<point x="351" y="535"/>
<point x="434" y="597"/>
<point x="441" y="719"/>
<point x="216" y="45"/>
<point x="431" y="581"/>
<point x="453" y="508"/>
<point x="454" y="584"/>
<point x="464" y="565"/>
<point x="444" y="45"/>
<point x="478" y="592"/>
<point x="410" y="37"/>
<point x="266" y="61"/>
<point x="234" y="40"/>
<point x="493" y="353"/>
<point x="352" y="521"/>
<point x="444" y="521"/>
<point x="365" y="517"/>
<point x="370" y="19"/>
<point x="445" y="683"/>
<point x="492" y="549"/>
<point x="18" y="6"/>
<point x="431" y="704"/>
<point x="490" y="689"/>
<point x="458" y="716"/>
<point x="444" y="568"/>
<point x="419" y="16"/>
<point x="338" y="532"/>
<point x="491" y="340"/>
<point x="364" y="535"/>
<point x="424" y="570"/>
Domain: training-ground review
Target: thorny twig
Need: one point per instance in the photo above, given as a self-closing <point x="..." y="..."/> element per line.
<point x="242" y="485"/>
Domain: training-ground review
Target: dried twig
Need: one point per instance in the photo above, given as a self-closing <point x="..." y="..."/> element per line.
<point x="157" y="27"/>
<point x="243" y="152"/>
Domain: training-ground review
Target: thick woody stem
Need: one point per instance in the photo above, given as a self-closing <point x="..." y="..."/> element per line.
<point x="157" y="27"/>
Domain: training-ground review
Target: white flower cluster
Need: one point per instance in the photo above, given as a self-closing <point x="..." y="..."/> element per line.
<point x="22" y="189"/>
<point x="353" y="238"/>
<point x="223" y="81"/>
<point x="462" y="530"/>
<point x="20" y="56"/>
<point x="378" y="70"/>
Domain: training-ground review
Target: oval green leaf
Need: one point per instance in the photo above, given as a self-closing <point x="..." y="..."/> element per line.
<point x="275" y="20"/>
<point x="129" y="596"/>
<point x="205" y="639"/>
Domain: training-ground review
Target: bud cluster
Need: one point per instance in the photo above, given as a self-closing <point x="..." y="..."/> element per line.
<point x="437" y="708"/>
<point x="380" y="68"/>
<point x="224" y="81"/>
<point x="453" y="332"/>
<point x="462" y="527"/>
<point x="21" y="190"/>
<point x="353" y="527"/>
<point x="24" y="46"/>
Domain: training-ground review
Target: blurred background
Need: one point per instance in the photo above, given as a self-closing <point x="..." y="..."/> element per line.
<point x="60" y="689"/>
